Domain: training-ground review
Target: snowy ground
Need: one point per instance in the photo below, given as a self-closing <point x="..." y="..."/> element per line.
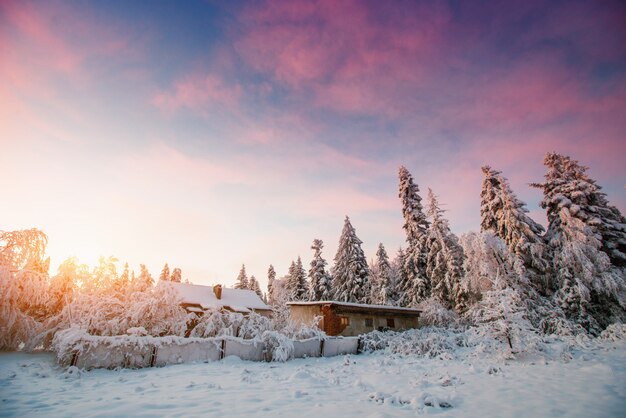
<point x="593" y="384"/>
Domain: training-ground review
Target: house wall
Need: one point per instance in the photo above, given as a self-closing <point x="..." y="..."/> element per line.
<point x="331" y="323"/>
<point x="357" y="324"/>
<point x="305" y="314"/>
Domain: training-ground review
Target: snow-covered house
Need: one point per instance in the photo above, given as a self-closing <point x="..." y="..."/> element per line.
<point x="350" y="319"/>
<point x="198" y="298"/>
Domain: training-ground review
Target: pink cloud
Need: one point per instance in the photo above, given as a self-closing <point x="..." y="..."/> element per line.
<point x="343" y="54"/>
<point x="54" y="37"/>
<point x="197" y="92"/>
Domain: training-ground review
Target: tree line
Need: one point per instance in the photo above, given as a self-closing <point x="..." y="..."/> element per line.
<point x="570" y="274"/>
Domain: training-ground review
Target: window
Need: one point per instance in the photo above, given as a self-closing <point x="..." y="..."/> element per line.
<point x="369" y="322"/>
<point x="391" y="323"/>
<point x="345" y="321"/>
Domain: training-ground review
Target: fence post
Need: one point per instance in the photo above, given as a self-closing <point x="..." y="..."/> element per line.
<point x="223" y="351"/>
<point x="322" y="347"/>
<point x="74" y="359"/>
<point x="153" y="356"/>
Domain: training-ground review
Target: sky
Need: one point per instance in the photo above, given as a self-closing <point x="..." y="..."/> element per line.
<point x="212" y="134"/>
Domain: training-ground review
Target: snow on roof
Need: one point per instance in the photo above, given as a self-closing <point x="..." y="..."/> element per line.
<point x="356" y="305"/>
<point x="238" y="300"/>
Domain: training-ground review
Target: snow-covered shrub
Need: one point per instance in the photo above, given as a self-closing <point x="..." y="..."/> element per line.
<point x="279" y="345"/>
<point x="299" y="331"/>
<point x="253" y="326"/>
<point x="216" y="323"/>
<point x="614" y="332"/>
<point x="158" y="311"/>
<point x="424" y="342"/>
<point x="435" y="314"/>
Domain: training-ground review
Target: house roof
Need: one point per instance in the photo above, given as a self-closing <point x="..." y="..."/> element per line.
<point x="360" y="307"/>
<point x="238" y="300"/>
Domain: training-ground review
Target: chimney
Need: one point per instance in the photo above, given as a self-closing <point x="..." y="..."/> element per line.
<point x="217" y="289"/>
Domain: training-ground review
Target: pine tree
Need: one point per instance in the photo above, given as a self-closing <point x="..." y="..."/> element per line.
<point x="301" y="290"/>
<point x="506" y="216"/>
<point x="415" y="286"/>
<point x="320" y="281"/>
<point x="382" y="288"/>
<point x="444" y="261"/>
<point x="255" y="287"/>
<point x="585" y="235"/>
<point x="122" y="284"/>
<point x="271" y="276"/>
<point x="568" y="187"/>
<point x="350" y="272"/>
<point x="177" y="275"/>
<point x="165" y="273"/>
<point x="144" y="281"/>
<point x="296" y="286"/>
<point x="242" y="279"/>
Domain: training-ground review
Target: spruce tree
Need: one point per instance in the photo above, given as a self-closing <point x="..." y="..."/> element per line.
<point x="320" y="281"/>
<point x="296" y="286"/>
<point x="177" y="275"/>
<point x="382" y="289"/>
<point x="301" y="288"/>
<point x="444" y="260"/>
<point x="242" y="279"/>
<point x="506" y="216"/>
<point x="584" y="235"/>
<point x="415" y="286"/>
<point x="165" y="273"/>
<point x="255" y="287"/>
<point x="350" y="272"/>
<point x="271" y="276"/>
<point x="568" y="187"/>
<point x="400" y="276"/>
<point x="144" y="281"/>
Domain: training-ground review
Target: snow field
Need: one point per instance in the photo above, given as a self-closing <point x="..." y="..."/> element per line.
<point x="591" y="384"/>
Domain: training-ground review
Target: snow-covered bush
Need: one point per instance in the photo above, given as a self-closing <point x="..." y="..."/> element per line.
<point x="423" y="342"/>
<point x="253" y="326"/>
<point x="435" y="314"/>
<point x="614" y="332"/>
<point x="279" y="345"/>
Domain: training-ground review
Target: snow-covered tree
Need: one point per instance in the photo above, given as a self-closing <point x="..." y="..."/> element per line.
<point x="23" y="286"/>
<point x="415" y="287"/>
<point x="65" y="284"/>
<point x="567" y="186"/>
<point x="242" y="279"/>
<point x="503" y="313"/>
<point x="487" y="257"/>
<point x="587" y="237"/>
<point x="506" y="216"/>
<point x="399" y="276"/>
<point x="591" y="291"/>
<point x="444" y="260"/>
<point x="144" y="281"/>
<point x="382" y="279"/>
<point x="271" y="276"/>
<point x="320" y="280"/>
<point x="296" y="282"/>
<point x="165" y="273"/>
<point x="255" y="287"/>
<point x="103" y="276"/>
<point x="350" y="272"/>
<point x="177" y="275"/>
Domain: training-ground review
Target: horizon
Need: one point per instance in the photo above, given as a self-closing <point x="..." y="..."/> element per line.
<point x="209" y="136"/>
